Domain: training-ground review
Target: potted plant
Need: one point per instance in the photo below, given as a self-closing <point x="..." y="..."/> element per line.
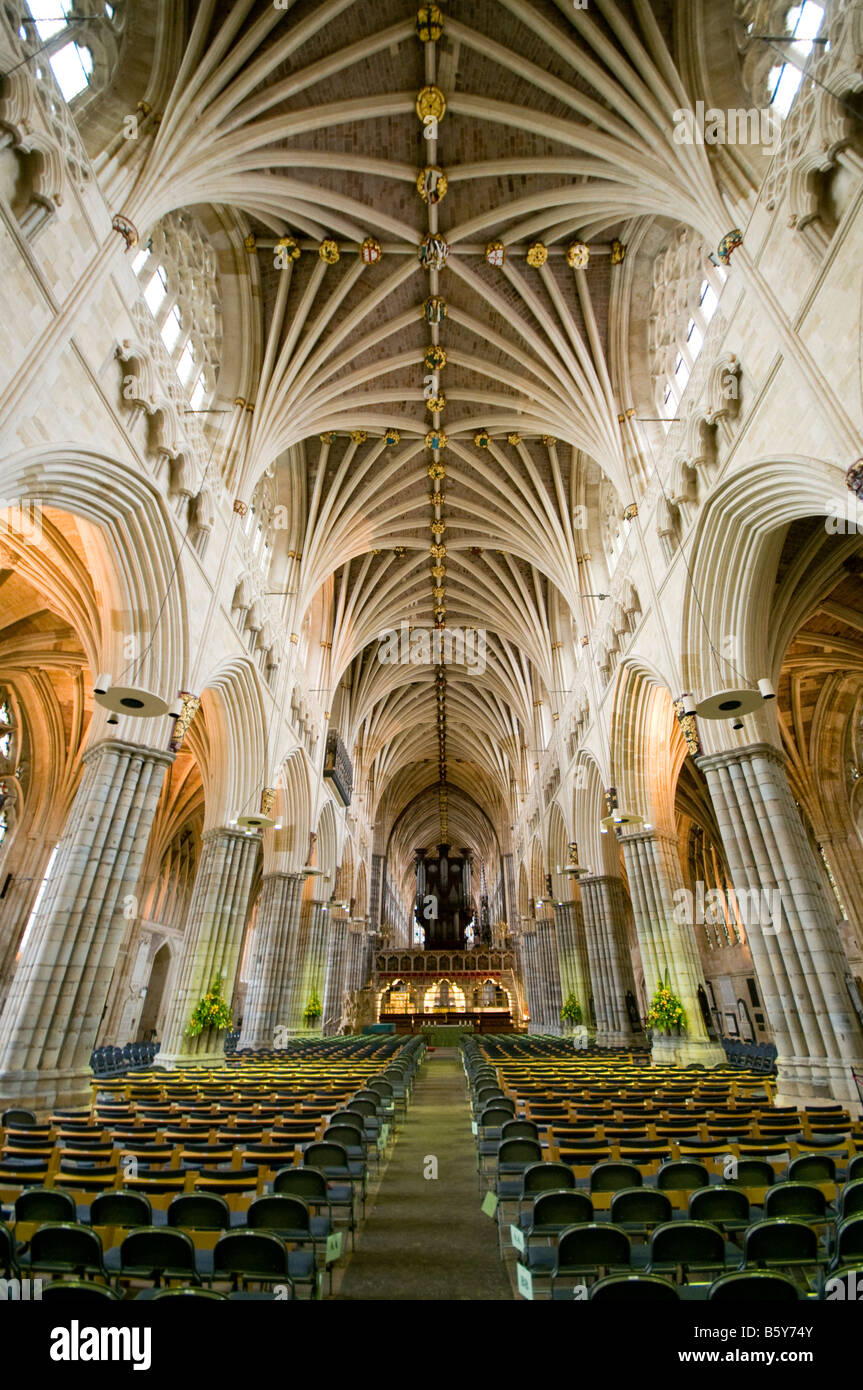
<point x="666" y="1013"/>
<point x="313" y="1010"/>
<point x="572" y="1012"/>
<point x="212" y="1011"/>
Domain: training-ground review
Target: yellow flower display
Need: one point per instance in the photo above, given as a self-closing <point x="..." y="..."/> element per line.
<point x="211" y="1012"/>
<point x="666" y="1011"/>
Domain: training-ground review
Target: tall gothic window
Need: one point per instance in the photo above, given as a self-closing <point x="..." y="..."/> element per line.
<point x="25" y="935"/>
<point x="258" y="524"/>
<point x="686" y="290"/>
<point x="78" y="40"/>
<point x="7" y="754"/>
<point x="6" y="730"/>
<point x="804" y="21"/>
<point x="179" y="280"/>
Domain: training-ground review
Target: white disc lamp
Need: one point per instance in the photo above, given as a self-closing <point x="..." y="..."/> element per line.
<point x="128" y="699"/>
<point x="729" y="704"/>
<point x="621" y="818"/>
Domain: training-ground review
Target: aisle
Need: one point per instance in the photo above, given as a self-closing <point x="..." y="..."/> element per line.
<point x="426" y="1239"/>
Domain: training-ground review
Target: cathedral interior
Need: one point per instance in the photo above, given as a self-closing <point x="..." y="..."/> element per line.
<point x="431" y="538"/>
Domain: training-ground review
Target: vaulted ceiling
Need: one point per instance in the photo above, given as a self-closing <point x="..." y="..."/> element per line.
<point x="554" y="126"/>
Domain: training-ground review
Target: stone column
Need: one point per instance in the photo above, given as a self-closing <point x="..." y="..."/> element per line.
<point x="547" y="998"/>
<point x="211" y="943"/>
<point x="376" y="888"/>
<point x="844" y="855"/>
<point x="367" y="960"/>
<point x="604" y="901"/>
<point x="576" y="972"/>
<point x="336" y="974"/>
<point x="60" y="989"/>
<point x="531" y="974"/>
<point x="277" y="928"/>
<point x="510" y="895"/>
<point x="307" y="966"/>
<point x="26" y="862"/>
<point x="356" y="959"/>
<point x="790" y="923"/>
<point x="653" y="870"/>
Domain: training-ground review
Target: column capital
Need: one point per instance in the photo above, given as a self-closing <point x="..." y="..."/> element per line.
<point x="131" y="750"/>
<point x="707" y="762"/>
<point x="225" y="832"/>
<point x="644" y="837"/>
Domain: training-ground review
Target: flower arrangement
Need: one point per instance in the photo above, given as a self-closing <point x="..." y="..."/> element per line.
<point x="211" y="1012"/>
<point x="314" y="1008"/>
<point x="666" y="1011"/>
<point x="572" y="1011"/>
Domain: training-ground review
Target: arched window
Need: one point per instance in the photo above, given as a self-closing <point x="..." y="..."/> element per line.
<point x="78" y="42"/>
<point x="803" y="23"/>
<point x="10" y="754"/>
<point x="178" y="276"/>
<point x="25" y="935"/>
<point x="686" y="290"/>
<point x="614" y="528"/>
<point x="258" y="523"/>
<point x="6" y="729"/>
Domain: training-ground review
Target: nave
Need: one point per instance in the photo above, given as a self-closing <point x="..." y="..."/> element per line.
<point x="431" y="652"/>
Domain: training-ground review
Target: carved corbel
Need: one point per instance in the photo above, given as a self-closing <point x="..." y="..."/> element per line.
<point x="723" y="391"/>
<point x="204" y="511"/>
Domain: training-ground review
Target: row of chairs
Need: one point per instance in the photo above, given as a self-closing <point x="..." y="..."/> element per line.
<point x="167" y="1161"/>
<point x="694" y="1253"/>
<point x="376" y="1047"/>
<point x="115" y="1061"/>
<point x="756" y="1057"/>
<point x="687" y="1224"/>
<point x="282" y="1239"/>
<point x="227" y="1125"/>
<point x="639" y="1209"/>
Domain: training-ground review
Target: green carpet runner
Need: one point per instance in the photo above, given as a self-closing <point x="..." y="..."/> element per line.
<point x="426" y="1238"/>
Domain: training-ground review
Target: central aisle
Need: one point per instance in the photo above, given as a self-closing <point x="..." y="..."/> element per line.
<point x="426" y="1238"/>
